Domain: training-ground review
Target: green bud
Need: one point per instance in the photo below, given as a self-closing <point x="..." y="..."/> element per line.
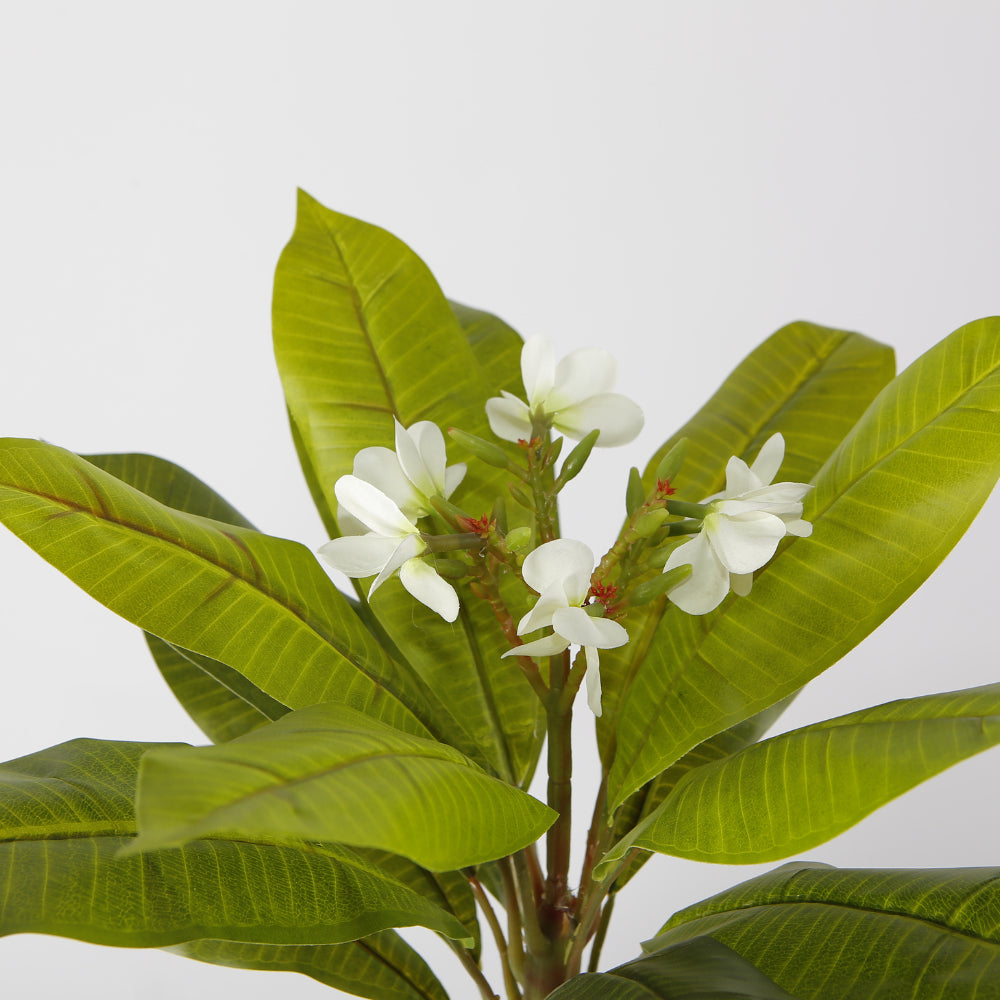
<point x="486" y="451"/>
<point x="451" y="569"/>
<point x="522" y="498"/>
<point x="650" y="522"/>
<point x="519" y="538"/>
<point x="595" y="610"/>
<point x="499" y="514"/>
<point x="635" y="495"/>
<point x="576" y="459"/>
<point x="685" y="509"/>
<point x="659" y="585"/>
<point x="553" y="450"/>
<point x="671" y="463"/>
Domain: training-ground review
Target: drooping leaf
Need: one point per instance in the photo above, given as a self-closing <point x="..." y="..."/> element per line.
<point x="697" y="969"/>
<point x="259" y="604"/>
<point x="363" y="335"/>
<point x="808" y="382"/>
<point x="822" y="932"/>
<point x="67" y="813"/>
<point x="381" y="966"/>
<point x="887" y="507"/>
<point x="797" y="790"/>
<point x="328" y="773"/>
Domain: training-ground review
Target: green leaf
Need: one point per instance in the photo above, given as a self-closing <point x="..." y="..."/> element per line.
<point x="363" y="335"/>
<point x="328" y="773"/>
<point x="808" y="382"/>
<point x="887" y="507"/>
<point x="381" y="966"/>
<point x="822" y="932"/>
<point x="67" y="813"/>
<point x="496" y="346"/>
<point x="797" y="790"/>
<point x="259" y="604"/>
<point x="697" y="969"/>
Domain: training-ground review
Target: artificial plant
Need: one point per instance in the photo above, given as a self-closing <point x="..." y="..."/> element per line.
<point x="372" y="752"/>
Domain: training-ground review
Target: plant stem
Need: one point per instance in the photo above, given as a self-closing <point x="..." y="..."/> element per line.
<point x="469" y="964"/>
<point x="513" y="993"/>
<point x="515" y="933"/>
<point x="602" y="930"/>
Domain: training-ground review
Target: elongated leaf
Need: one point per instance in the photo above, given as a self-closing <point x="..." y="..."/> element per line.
<point x="698" y="969"/>
<point x="887" y="507"/>
<point x="363" y="335"/>
<point x="799" y="789"/>
<point x="808" y="382"/>
<point x="259" y="604"/>
<point x="496" y="346"/>
<point x="328" y="773"/>
<point x="67" y="812"/>
<point x="821" y="932"/>
<point x="381" y="966"/>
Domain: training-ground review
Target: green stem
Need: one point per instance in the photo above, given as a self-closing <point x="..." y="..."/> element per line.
<point x="602" y="931"/>
<point x="471" y="967"/>
<point x="515" y="932"/>
<point x="513" y="992"/>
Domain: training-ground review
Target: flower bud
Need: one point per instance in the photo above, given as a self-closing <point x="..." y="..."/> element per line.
<point x="499" y="514"/>
<point x="658" y="585"/>
<point x="649" y="523"/>
<point x="635" y="494"/>
<point x="486" y="451"/>
<point x="450" y="569"/>
<point x="576" y="459"/>
<point x="519" y="538"/>
<point x="522" y="498"/>
<point x="671" y="463"/>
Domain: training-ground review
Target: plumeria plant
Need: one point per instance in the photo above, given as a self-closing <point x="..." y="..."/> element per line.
<point x="372" y="754"/>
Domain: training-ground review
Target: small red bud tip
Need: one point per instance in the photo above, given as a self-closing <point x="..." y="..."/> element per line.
<point x="480" y="525"/>
<point x="535" y="442"/>
<point x="606" y="593"/>
<point x="664" y="489"/>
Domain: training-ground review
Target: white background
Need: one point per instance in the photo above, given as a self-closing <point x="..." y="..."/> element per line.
<point x="671" y="180"/>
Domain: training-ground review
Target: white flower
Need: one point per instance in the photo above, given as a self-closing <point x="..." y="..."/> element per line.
<point x="741" y="531"/>
<point x="391" y="541"/>
<point x="574" y="396"/>
<point x="560" y="572"/>
<point x="409" y="476"/>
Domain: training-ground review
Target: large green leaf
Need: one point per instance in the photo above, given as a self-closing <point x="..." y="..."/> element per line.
<point x="496" y="346"/>
<point x="328" y="773"/>
<point x="363" y="335"/>
<point x="887" y="507"/>
<point x="381" y="966"/>
<point x="697" y="969"/>
<point x="822" y="932"/>
<point x="808" y="382"/>
<point x="259" y="604"/>
<point x="797" y="790"/>
<point x="66" y="814"/>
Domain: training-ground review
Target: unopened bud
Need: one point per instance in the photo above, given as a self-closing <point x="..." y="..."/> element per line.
<point x="659" y="585"/>
<point x="649" y="523"/>
<point x="499" y="514"/>
<point x="576" y="459"/>
<point x="635" y="495"/>
<point x="486" y="451"/>
<point x="522" y="498"/>
<point x="451" y="569"/>
<point x="671" y="463"/>
<point x="519" y="538"/>
<point x="553" y="450"/>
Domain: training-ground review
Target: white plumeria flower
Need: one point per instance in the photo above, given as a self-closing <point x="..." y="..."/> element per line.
<point x="574" y="396"/>
<point x="560" y="572"/>
<point x="391" y="541"/>
<point x="740" y="533"/>
<point x="409" y="476"/>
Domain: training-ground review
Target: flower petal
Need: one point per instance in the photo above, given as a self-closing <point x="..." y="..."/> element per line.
<point x="420" y="579"/>
<point x="706" y="588"/>
<point x="593" y="678"/>
<point x="772" y="453"/>
<point x="381" y="468"/>
<point x="585" y="372"/>
<point x="739" y="478"/>
<point x="551" y="599"/>
<point x="744" y="542"/>
<point x="408" y="548"/>
<point x="617" y="418"/>
<point x="578" y="627"/>
<point x="358" y="555"/>
<point x="349" y="524"/>
<point x="453" y="475"/>
<point x="538" y="369"/>
<point x="509" y="417"/>
<point x="562" y="559"/>
<point x="548" y="645"/>
<point x="421" y="454"/>
<point x="741" y="583"/>
<point x="371" y="506"/>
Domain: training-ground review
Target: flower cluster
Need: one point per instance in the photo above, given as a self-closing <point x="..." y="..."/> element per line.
<point x="732" y="534"/>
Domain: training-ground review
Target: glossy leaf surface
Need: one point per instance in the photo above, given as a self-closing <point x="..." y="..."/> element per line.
<point x="328" y="773"/>
<point x="797" y="790"/>
<point x="381" y="966"/>
<point x="887" y="507"/>
<point x="822" y="932"/>
<point x="698" y="969"/>
<point x="66" y="814"/>
<point x="810" y="383"/>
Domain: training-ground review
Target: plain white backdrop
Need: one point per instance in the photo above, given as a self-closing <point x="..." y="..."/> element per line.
<point x="673" y="181"/>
